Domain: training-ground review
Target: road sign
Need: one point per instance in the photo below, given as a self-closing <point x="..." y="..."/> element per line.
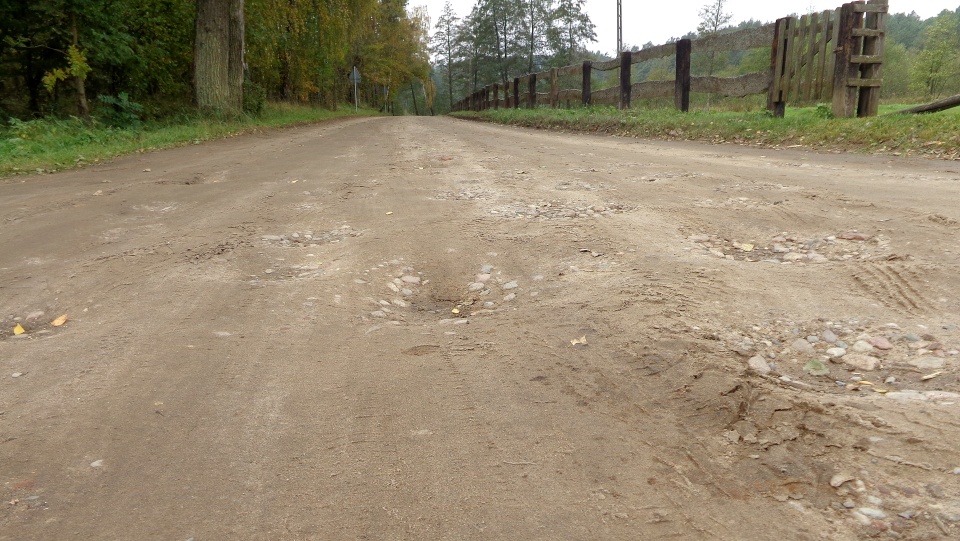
<point x="355" y="75"/>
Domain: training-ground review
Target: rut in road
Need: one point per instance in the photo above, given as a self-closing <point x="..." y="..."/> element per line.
<point x="424" y="328"/>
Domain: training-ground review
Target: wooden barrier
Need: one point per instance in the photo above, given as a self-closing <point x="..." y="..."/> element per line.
<point x="835" y="55"/>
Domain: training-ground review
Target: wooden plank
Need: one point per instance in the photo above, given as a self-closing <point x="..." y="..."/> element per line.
<point x="741" y="40"/>
<point x="866" y="59"/>
<point x="651" y="53"/>
<point x="735" y="87"/>
<point x="867" y="32"/>
<point x="788" y="68"/>
<point x="858" y="83"/>
<point x="935" y="107"/>
<point x="822" y="40"/>
<point x="775" y="100"/>
<point x="516" y="93"/>
<point x="796" y="77"/>
<point x="870" y="8"/>
<point x="570" y="94"/>
<point x="653" y="89"/>
<point x="832" y="59"/>
<point x="569" y="70"/>
<point x="810" y="62"/>
<point x="608" y="65"/>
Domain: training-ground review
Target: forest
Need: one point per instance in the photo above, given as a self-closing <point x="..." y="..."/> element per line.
<point x="122" y="61"/>
<point x="500" y="39"/>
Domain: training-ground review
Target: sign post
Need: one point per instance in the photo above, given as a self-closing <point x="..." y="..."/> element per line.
<point x="355" y="79"/>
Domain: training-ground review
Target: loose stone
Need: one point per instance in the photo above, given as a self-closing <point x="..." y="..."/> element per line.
<point x="802" y="346"/>
<point x="759" y="365"/>
<point x="862" y="346"/>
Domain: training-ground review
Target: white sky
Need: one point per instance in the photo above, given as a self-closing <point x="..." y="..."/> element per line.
<point x="643" y="22"/>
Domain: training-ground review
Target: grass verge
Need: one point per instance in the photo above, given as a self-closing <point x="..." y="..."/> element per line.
<point x="933" y="135"/>
<point x="46" y="146"/>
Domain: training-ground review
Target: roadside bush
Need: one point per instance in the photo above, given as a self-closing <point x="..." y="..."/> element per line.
<point x="120" y="112"/>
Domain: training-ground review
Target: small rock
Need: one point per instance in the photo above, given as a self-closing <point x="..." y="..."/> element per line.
<point x="862" y="346"/>
<point x="410" y="279"/>
<point x="880" y="342"/>
<point x="840" y="479"/>
<point x="829" y="336"/>
<point x="509" y="297"/>
<point x="268" y="271"/>
<point x="861" y="362"/>
<point x="841" y="344"/>
<point x="814" y="257"/>
<point x="483" y="277"/>
<point x="803" y="347"/>
<point x="813" y="339"/>
<point x="927" y="363"/>
<point x="16" y="374"/>
<point x="793" y="256"/>
<point x="872" y="513"/>
<point x="272" y="238"/>
<point x="477" y="286"/>
<point x="34" y="315"/>
<point x="836" y="353"/>
<point x="96" y="464"/>
<point x="221" y="334"/>
<point x="393" y="287"/>
<point x="406" y="292"/>
<point x="911" y="337"/>
<point x="380" y="314"/>
<point x="849" y="504"/>
<point x="936" y="491"/>
<point x="853" y="235"/>
<point x="510" y="285"/>
<point x="486" y="269"/>
<point x="759" y="365"/>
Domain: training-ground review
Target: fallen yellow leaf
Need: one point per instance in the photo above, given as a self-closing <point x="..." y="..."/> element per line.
<point x="455" y="311"/>
<point x="59" y="321"/>
<point x="18" y="330"/>
<point x="746" y="247"/>
<point x="577" y="341"/>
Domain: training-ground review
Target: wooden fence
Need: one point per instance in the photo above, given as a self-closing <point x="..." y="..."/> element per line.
<point x="833" y="56"/>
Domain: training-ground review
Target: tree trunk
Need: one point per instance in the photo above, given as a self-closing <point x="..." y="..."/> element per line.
<point x="237" y="68"/>
<point x="83" y="108"/>
<point x="217" y="58"/>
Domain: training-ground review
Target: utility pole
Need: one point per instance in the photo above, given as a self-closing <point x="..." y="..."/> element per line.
<point x="619" y="26"/>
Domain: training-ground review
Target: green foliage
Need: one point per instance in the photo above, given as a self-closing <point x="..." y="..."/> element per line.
<point x="77" y="66"/>
<point x="48" y="145"/>
<point x="825" y="110"/>
<point x="120" y="112"/>
<point x="254" y="98"/>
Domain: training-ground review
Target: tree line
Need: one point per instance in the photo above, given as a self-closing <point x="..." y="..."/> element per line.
<point x="156" y="57"/>
<point x="500" y="39"/>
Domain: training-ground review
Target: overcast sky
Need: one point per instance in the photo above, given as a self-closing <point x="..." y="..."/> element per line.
<point x="655" y="22"/>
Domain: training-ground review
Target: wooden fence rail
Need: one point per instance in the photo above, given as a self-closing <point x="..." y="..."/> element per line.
<point x="834" y="56"/>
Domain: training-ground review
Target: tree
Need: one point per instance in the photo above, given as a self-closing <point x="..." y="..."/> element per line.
<point x="570" y="29"/>
<point x="218" y="55"/>
<point x="938" y="63"/>
<point x="443" y="43"/>
<point x="712" y="19"/>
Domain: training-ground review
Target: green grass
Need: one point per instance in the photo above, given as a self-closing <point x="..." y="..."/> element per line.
<point x="45" y="146"/>
<point x="935" y="135"/>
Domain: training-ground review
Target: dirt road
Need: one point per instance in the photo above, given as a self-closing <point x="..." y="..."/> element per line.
<point x="424" y="328"/>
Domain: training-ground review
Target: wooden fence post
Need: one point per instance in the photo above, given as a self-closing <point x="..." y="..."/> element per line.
<point x="516" y="93"/>
<point x="844" y="95"/>
<point x="554" y="90"/>
<point x="626" y="61"/>
<point x="776" y="102"/>
<point x="496" y="96"/>
<point x="681" y="92"/>
<point x="586" y="96"/>
<point x="533" y="90"/>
